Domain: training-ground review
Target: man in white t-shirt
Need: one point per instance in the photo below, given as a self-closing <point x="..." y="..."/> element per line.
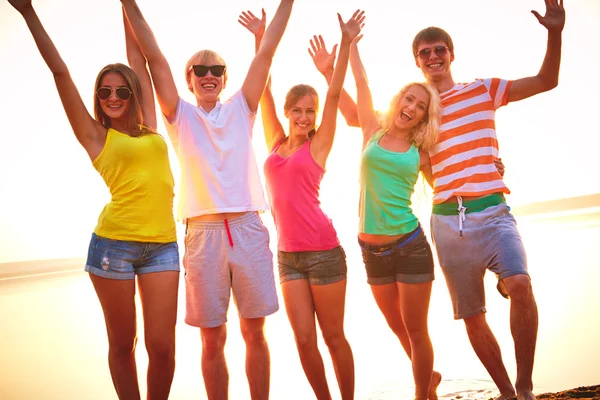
<point x="226" y="244"/>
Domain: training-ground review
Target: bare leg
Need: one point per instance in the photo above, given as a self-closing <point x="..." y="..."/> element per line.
<point x="524" y="326"/>
<point x="487" y="349"/>
<point x="158" y="292"/>
<point x="258" y="359"/>
<point x="298" y="300"/>
<point x="414" y="305"/>
<point x="117" y="301"/>
<point x="388" y="301"/>
<point x="330" y="305"/>
<point x="214" y="367"/>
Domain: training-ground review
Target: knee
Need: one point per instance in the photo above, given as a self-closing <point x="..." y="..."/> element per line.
<point x="122" y="346"/>
<point x="518" y="287"/>
<point x="306" y="340"/>
<point x="162" y="348"/>
<point x="213" y="341"/>
<point x="334" y="339"/>
<point x="476" y="323"/>
<point x="254" y="337"/>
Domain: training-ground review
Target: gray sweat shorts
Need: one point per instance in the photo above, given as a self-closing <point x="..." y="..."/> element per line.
<point x="490" y="240"/>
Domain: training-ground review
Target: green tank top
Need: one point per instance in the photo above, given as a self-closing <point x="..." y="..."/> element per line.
<point x="387" y="181"/>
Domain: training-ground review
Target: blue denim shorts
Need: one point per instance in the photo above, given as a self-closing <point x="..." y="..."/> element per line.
<point x="319" y="267"/>
<point x="121" y="259"/>
<point x="407" y="260"/>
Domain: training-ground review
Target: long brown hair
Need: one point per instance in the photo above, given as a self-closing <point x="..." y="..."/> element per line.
<point x="135" y="119"/>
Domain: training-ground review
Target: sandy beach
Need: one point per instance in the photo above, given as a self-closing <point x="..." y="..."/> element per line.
<point x="584" y="392"/>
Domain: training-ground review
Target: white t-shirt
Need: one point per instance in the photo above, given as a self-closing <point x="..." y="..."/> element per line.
<point x="218" y="168"/>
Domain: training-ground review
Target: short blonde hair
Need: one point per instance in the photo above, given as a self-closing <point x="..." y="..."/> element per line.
<point x="204" y="57"/>
<point x="425" y="134"/>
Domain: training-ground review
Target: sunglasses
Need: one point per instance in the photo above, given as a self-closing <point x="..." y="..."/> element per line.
<point x="215" y="70"/>
<point x="439" y="51"/>
<point x="103" y="93"/>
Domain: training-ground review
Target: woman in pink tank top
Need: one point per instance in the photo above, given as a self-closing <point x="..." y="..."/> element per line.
<point x="312" y="264"/>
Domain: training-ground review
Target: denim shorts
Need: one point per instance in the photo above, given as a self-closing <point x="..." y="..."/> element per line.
<point x="319" y="267"/>
<point x="122" y="259"/>
<point x="407" y="260"/>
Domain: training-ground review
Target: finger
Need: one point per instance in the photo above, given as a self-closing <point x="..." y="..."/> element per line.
<point x="264" y="15"/>
<point x="340" y="20"/>
<point x="357" y="39"/>
<point x="313" y="45"/>
<point x="360" y="15"/>
<point x="251" y="14"/>
<point x="245" y="14"/>
<point x="243" y="23"/>
<point x="334" y="49"/>
<point x="537" y="15"/>
<point x="321" y="41"/>
<point x="355" y="14"/>
<point x="312" y="55"/>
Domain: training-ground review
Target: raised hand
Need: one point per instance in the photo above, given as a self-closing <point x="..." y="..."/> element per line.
<point x="353" y="26"/>
<point x="20" y="5"/>
<point x="324" y="61"/>
<point x="254" y="24"/>
<point x="554" y="19"/>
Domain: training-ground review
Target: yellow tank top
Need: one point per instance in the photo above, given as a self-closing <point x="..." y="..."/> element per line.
<point x="138" y="175"/>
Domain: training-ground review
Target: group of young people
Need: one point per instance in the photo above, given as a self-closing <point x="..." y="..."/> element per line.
<point x="441" y="128"/>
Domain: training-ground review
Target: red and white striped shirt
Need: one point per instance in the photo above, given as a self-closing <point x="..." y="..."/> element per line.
<point x="462" y="161"/>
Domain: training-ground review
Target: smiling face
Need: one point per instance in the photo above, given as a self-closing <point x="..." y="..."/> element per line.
<point x="412" y="108"/>
<point x="207" y="88"/>
<point x="302" y="115"/>
<point x="434" y="60"/>
<point x="114" y="107"/>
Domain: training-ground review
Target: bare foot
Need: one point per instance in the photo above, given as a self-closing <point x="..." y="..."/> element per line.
<point x="507" y="396"/>
<point x="436" y="378"/>
<point x="525" y="395"/>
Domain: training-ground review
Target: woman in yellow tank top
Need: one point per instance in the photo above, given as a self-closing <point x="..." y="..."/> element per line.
<point x="135" y="234"/>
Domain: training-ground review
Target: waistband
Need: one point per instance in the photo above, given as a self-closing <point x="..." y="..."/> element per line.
<point x="386" y="248"/>
<point x="471" y="206"/>
<point x="249" y="217"/>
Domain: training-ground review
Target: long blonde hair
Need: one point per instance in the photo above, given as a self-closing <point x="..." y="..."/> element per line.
<point x="425" y="134"/>
<point x="135" y="118"/>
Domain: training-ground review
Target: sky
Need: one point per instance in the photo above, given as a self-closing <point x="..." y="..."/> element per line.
<point x="51" y="195"/>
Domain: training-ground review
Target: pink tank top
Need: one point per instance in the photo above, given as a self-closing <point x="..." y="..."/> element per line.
<point x="293" y="187"/>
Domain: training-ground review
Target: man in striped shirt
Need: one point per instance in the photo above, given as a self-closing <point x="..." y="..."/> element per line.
<point x="472" y="227"/>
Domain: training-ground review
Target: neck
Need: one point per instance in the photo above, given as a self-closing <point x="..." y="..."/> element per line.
<point x="120" y="125"/>
<point x="206" y="105"/>
<point x="399" y="134"/>
<point x="294" y="141"/>
<point x="443" y="84"/>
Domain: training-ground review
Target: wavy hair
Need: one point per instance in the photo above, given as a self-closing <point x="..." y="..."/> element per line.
<point x="425" y="134"/>
<point x="135" y="118"/>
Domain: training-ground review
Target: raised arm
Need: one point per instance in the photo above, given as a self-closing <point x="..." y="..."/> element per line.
<point x="137" y="62"/>
<point x="258" y="73"/>
<point x="166" y="91"/>
<point x="547" y="78"/>
<point x="88" y="132"/>
<point x="272" y="127"/>
<point x="323" y="139"/>
<point x="324" y="61"/>
<point x="369" y="122"/>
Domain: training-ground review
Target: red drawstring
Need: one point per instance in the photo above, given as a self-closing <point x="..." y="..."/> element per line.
<point x="228" y="233"/>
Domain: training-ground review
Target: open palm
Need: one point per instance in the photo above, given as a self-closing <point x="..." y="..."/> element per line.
<point x="353" y="26"/>
<point x="554" y="19"/>
<point x="254" y="24"/>
<point x="324" y="61"/>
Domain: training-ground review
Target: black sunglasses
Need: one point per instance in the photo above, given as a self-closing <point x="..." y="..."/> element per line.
<point x="439" y="51"/>
<point x="103" y="93"/>
<point x="215" y="70"/>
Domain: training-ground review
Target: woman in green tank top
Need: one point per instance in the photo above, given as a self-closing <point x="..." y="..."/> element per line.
<point x="123" y="102"/>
